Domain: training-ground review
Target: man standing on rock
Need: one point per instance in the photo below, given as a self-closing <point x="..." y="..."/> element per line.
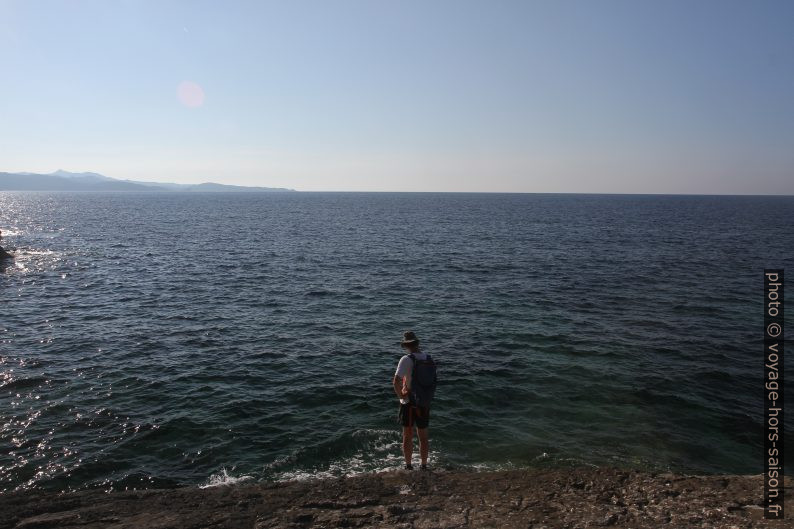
<point x="415" y="384"/>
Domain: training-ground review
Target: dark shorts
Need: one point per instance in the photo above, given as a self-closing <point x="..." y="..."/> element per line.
<point x="414" y="416"/>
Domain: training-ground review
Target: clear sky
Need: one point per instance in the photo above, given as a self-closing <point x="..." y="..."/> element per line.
<point x="531" y="96"/>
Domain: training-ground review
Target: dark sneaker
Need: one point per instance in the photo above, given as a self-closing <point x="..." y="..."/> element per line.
<point x="423" y="467"/>
<point x="409" y="467"/>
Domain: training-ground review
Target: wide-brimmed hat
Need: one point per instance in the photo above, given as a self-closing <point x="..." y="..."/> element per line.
<point x="408" y="338"/>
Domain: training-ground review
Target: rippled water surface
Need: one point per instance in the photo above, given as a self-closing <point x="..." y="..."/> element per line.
<point x="151" y="340"/>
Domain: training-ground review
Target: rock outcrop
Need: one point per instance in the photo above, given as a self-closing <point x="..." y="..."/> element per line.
<point x="533" y="498"/>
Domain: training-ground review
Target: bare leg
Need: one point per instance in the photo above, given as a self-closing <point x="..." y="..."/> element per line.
<point x="408" y="443"/>
<point x="424" y="444"/>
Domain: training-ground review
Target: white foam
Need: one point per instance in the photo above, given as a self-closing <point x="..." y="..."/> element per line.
<point x="223" y="478"/>
<point x="491" y="466"/>
<point x="382" y="453"/>
<point x="28" y="259"/>
<point x="38" y="252"/>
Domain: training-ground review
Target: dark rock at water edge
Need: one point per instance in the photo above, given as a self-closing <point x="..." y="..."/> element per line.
<point x="558" y="498"/>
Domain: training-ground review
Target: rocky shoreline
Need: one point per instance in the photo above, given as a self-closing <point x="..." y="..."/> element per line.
<point x="531" y="498"/>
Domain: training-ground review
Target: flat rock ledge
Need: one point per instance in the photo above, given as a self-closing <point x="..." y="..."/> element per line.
<point x="532" y="498"/>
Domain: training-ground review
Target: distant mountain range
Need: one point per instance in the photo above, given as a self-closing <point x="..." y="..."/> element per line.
<point x="62" y="180"/>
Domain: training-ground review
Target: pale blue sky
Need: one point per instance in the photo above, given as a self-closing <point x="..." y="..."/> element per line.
<point x="533" y="96"/>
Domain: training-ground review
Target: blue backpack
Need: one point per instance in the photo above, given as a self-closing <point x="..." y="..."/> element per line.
<point x="423" y="381"/>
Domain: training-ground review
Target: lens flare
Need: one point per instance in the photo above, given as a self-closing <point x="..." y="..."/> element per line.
<point x="190" y="94"/>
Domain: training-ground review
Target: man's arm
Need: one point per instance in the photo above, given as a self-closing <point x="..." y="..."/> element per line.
<point x="399" y="384"/>
<point x="401" y="377"/>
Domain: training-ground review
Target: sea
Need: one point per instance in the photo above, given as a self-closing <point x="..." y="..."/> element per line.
<point x="152" y="340"/>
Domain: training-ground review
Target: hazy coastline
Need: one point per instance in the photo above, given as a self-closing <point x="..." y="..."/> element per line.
<point x="61" y="180"/>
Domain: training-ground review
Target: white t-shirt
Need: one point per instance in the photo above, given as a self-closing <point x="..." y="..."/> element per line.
<point x="405" y="368"/>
